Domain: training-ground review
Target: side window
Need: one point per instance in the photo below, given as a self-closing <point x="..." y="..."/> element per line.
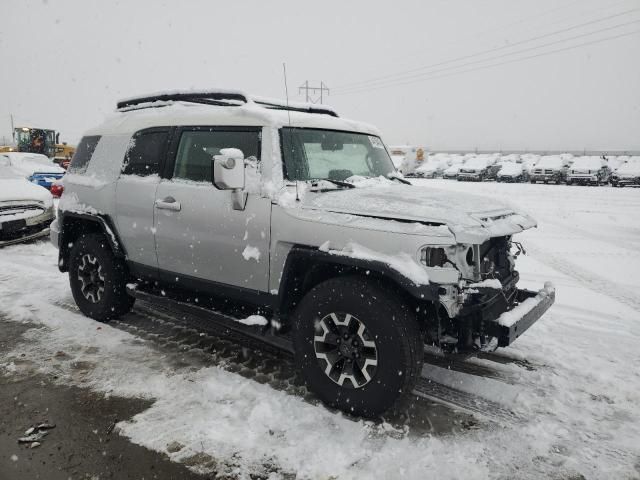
<point x="145" y="153"/>
<point x="197" y="148"/>
<point x="80" y="160"/>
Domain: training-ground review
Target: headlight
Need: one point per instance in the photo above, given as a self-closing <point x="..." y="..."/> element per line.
<point x="433" y="256"/>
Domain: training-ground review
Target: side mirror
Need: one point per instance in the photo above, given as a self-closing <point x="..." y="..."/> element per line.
<point x="228" y="174"/>
<point x="228" y="169"/>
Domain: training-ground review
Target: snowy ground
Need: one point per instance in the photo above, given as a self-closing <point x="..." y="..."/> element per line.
<point x="564" y="399"/>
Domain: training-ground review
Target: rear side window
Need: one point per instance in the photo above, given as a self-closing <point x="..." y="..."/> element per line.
<point x="80" y="159"/>
<point x="197" y="149"/>
<point x="145" y="153"/>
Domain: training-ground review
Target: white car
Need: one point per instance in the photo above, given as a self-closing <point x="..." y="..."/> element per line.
<point x="35" y="167"/>
<point x="26" y="210"/>
<point x="512" y="172"/>
<point x="426" y="170"/>
<point x="476" y="169"/>
<point x="588" y="170"/>
<point x="451" y="173"/>
<point x="626" y="174"/>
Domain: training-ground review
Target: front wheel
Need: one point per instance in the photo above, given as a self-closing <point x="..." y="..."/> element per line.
<point x="357" y="344"/>
<point x="98" y="279"/>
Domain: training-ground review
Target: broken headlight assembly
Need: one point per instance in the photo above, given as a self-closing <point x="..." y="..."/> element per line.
<point x="433" y="256"/>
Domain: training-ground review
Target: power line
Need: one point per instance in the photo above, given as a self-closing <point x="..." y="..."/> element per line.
<point x="510" y="25"/>
<point x="466" y="64"/>
<point x="572" y="47"/>
<point x="483" y="52"/>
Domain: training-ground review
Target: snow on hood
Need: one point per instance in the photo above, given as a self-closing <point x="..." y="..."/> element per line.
<point x="29" y="167"/>
<point x="20" y="189"/>
<point x="471" y="218"/>
<point x="510" y="168"/>
<point x="584" y="164"/>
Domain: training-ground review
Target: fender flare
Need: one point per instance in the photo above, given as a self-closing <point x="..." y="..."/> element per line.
<point x="302" y="258"/>
<point x="68" y="221"/>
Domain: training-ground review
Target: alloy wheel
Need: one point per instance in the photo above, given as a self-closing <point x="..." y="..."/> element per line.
<point x="345" y="350"/>
<point x="91" y="278"/>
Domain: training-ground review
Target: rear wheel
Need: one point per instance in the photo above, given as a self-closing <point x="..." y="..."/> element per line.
<point x="98" y="279"/>
<point x="358" y="345"/>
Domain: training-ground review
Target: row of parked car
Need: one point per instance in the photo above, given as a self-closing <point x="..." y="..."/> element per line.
<point x="28" y="183"/>
<point x="563" y="168"/>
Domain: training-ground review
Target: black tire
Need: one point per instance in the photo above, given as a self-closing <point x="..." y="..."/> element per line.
<point x="389" y="323"/>
<point x="111" y="300"/>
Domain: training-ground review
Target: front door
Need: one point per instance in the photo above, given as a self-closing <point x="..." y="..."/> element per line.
<point x="199" y="236"/>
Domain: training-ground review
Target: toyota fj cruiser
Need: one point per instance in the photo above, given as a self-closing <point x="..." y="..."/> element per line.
<point x="289" y="224"/>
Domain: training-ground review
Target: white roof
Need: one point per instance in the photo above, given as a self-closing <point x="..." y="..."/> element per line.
<point x="177" y="113"/>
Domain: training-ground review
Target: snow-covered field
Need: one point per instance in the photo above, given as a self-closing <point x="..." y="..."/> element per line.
<point x="572" y="382"/>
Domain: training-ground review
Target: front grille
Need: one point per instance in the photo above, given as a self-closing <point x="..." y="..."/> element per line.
<point x="24" y="231"/>
<point x="16" y="209"/>
<point x="548" y="172"/>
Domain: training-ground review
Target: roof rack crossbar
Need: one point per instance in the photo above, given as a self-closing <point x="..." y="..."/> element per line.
<point x="214" y="98"/>
<point x="278" y="106"/>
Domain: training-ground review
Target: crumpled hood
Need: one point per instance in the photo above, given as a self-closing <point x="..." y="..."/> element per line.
<point x="18" y="189"/>
<point x="471" y="218"/>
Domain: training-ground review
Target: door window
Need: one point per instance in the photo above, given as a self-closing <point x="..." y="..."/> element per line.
<point x="198" y="147"/>
<point x="145" y="153"/>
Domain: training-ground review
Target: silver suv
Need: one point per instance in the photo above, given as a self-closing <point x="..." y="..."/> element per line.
<point x="289" y="224"/>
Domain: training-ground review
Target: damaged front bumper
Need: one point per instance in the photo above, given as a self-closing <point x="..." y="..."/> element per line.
<point x="501" y="314"/>
<point x="526" y="310"/>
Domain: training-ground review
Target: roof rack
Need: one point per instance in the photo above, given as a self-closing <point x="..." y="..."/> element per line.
<point x="222" y="98"/>
<point x="277" y="105"/>
<point x="209" y="98"/>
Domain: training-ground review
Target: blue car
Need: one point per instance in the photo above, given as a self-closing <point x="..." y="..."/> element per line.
<point x="36" y="168"/>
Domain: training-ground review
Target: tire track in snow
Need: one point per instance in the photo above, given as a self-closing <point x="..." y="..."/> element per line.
<point x="587" y="278"/>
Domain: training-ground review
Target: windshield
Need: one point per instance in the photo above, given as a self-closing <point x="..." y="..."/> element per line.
<point x="311" y="154"/>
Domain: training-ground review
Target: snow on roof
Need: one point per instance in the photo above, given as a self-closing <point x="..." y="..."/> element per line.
<point x="511" y="168"/>
<point x="629" y="168"/>
<point x="251" y="113"/>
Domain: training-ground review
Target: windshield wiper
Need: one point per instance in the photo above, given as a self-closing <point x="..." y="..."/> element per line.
<point x="400" y="179"/>
<point x="339" y="183"/>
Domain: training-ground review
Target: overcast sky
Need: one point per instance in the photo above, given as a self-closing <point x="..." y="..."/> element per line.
<point x="395" y="64"/>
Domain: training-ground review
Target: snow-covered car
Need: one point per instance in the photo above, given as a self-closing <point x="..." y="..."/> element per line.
<point x="297" y="217"/>
<point x="549" y="169"/>
<point x="36" y="168"/>
<point x="26" y="210"/>
<point x="428" y="169"/>
<point x="627" y="174"/>
<point x="476" y="169"/>
<point x="512" y="172"/>
<point x="613" y="162"/>
<point x="451" y="173"/>
<point x="588" y="170"/>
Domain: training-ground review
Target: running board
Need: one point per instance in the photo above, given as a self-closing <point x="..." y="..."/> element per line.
<point x="212" y="320"/>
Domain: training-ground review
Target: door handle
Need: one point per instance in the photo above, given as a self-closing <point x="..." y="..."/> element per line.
<point x="168" y="203"/>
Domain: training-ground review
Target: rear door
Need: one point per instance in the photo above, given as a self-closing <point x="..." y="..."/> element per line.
<point x="199" y="236"/>
<point x="136" y="193"/>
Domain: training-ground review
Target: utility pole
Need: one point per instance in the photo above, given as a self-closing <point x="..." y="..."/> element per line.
<point x="311" y="93"/>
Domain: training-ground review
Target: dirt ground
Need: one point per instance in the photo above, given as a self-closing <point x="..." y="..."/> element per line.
<point x="82" y="445"/>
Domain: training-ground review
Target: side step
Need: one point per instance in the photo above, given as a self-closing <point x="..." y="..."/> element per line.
<point x="207" y="319"/>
